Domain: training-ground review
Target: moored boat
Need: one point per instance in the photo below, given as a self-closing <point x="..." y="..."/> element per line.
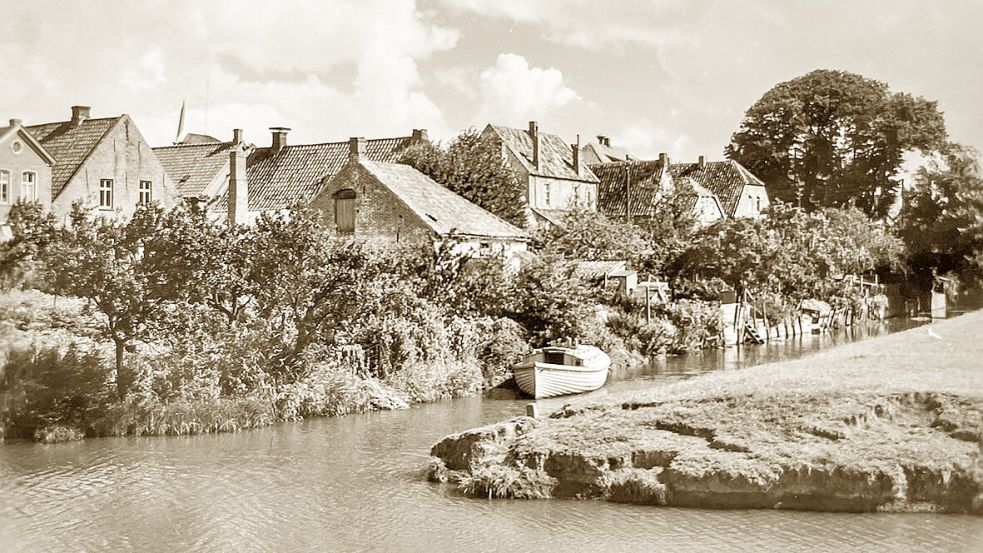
<point x="556" y="370"/>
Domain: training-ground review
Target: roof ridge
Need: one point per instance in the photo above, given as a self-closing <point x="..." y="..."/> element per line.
<point x="342" y="142"/>
<point x="83" y="121"/>
<point x="199" y="145"/>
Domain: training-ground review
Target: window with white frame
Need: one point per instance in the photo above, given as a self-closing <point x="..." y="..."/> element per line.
<point x="4" y="187"/>
<point x="28" y="186"/>
<point x="146" y="193"/>
<point x="106" y="194"/>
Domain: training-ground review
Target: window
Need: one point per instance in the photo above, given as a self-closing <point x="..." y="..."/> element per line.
<point x="28" y="186"/>
<point x="546" y="189"/>
<point x="589" y="205"/>
<point x="145" y="192"/>
<point x="4" y="187"/>
<point x="106" y="194"/>
<point x="344" y="211"/>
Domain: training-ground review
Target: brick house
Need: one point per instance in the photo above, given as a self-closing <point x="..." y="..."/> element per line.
<point x="276" y="177"/>
<point x="638" y="189"/>
<point x="25" y="171"/>
<point x="104" y="163"/>
<point x="554" y="176"/>
<point x="741" y="193"/>
<point x="395" y="203"/>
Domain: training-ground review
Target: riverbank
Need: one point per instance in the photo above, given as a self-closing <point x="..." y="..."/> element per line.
<point x="890" y="424"/>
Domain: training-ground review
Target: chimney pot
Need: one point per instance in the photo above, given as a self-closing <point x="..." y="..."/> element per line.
<point x="356" y="148"/>
<point x="420" y="135"/>
<point x="236" y="136"/>
<point x="534" y="135"/>
<point x="703" y="162"/>
<point x="664" y="158"/>
<point x="576" y="156"/>
<point x="80" y="113"/>
<point x="15" y="122"/>
<point x="279" y="138"/>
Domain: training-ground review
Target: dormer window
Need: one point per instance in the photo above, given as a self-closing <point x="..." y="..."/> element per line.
<point x="344" y="211"/>
<point x="28" y="186"/>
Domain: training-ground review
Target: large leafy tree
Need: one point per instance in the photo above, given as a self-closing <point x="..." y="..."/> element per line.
<point x="473" y="169"/>
<point x="101" y="261"/>
<point x="33" y="230"/>
<point x="832" y="138"/>
<point x="942" y="218"/>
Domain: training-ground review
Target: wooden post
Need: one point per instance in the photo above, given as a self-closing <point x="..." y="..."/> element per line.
<point x="648" y="306"/>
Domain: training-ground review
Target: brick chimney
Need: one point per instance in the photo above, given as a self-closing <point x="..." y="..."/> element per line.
<point x="279" y="139"/>
<point x="534" y="135"/>
<point x="702" y="162"/>
<point x="576" y="156"/>
<point x="15" y="122"/>
<point x="238" y="203"/>
<point x="356" y="149"/>
<point x="664" y="158"/>
<point x="603" y="140"/>
<point x="79" y="114"/>
<point x="420" y="135"/>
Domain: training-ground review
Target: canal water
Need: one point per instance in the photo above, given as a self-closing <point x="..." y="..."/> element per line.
<point x="357" y="483"/>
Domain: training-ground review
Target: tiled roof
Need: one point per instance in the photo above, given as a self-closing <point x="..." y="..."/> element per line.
<point x="442" y="210"/>
<point x="195" y="138"/>
<point x="593" y="153"/>
<point x="297" y="173"/>
<point x="70" y="145"/>
<point x="555" y="155"/>
<point x="638" y="183"/>
<point x="193" y="166"/>
<point x="642" y="181"/>
<point x="590" y="270"/>
<point x="726" y="179"/>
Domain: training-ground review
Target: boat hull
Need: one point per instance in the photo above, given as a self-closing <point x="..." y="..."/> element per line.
<point x="541" y="381"/>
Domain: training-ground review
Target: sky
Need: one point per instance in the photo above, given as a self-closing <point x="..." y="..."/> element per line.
<point x="655" y="76"/>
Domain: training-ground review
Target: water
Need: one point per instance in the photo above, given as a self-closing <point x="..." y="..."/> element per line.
<point x="357" y="483"/>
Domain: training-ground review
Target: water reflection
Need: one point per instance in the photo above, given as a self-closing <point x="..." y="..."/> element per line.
<point x="355" y="483"/>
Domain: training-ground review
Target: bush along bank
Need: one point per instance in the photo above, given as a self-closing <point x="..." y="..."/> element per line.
<point x="170" y="324"/>
<point x="867" y="427"/>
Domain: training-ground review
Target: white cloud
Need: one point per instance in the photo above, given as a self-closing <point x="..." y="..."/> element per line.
<point x="327" y="69"/>
<point x="512" y="89"/>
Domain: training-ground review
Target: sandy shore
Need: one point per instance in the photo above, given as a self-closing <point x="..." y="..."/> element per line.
<point x="889" y="424"/>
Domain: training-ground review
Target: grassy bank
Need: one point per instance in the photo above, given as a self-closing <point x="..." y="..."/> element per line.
<point x="890" y="424"/>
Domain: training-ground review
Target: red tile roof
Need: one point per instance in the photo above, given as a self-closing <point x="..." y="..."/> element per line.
<point x="555" y="154"/>
<point x="70" y="145"/>
<point x="193" y="166"/>
<point x="442" y="210"/>
<point x="297" y="173"/>
<point x="726" y="179"/>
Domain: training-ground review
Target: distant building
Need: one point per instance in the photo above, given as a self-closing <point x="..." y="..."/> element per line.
<point x="103" y="163"/>
<point x="637" y="190"/>
<point x="25" y="171"/>
<point x="392" y="202"/>
<point x="741" y="194"/>
<point x="602" y="151"/>
<point x="556" y="180"/>
<point x="278" y="176"/>
<point x="199" y="168"/>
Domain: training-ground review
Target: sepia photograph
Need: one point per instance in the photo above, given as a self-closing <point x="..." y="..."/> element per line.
<point x="491" y="275"/>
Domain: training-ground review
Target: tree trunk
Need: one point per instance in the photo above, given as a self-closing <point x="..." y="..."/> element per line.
<point x="122" y="379"/>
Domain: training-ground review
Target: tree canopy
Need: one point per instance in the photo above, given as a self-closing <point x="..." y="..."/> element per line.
<point x="474" y="170"/>
<point x="833" y="138"/>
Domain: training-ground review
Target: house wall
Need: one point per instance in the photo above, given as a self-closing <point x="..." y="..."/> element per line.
<point x="124" y="156"/>
<point x="379" y="215"/>
<point x="563" y="193"/>
<point x="753" y="200"/>
<point x="707" y="210"/>
<point x="27" y="160"/>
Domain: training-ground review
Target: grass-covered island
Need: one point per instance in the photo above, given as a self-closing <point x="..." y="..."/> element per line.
<point x="890" y="424"/>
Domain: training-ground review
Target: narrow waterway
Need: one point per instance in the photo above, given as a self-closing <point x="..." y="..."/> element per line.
<point x="357" y="483"/>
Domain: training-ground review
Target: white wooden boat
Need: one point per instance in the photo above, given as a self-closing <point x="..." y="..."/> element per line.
<point x="555" y="371"/>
